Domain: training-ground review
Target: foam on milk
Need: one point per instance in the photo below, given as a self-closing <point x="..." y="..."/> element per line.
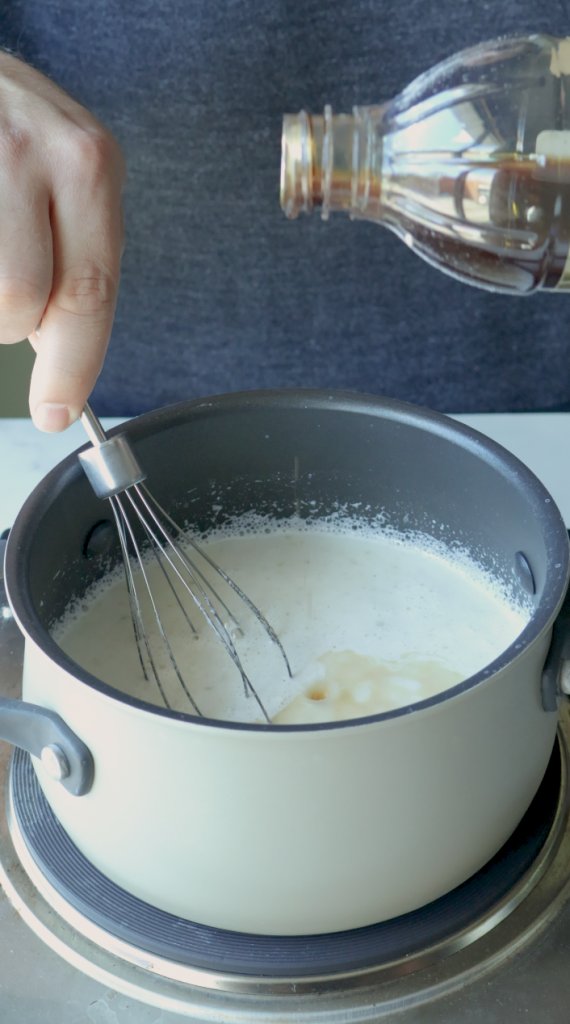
<point x="370" y="621"/>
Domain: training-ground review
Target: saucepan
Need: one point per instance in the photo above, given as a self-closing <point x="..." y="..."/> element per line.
<point x="311" y="828"/>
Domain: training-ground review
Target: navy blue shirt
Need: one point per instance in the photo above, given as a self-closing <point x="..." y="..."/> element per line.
<point x="219" y="291"/>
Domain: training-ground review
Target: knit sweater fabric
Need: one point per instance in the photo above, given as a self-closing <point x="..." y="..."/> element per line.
<point x="219" y="291"/>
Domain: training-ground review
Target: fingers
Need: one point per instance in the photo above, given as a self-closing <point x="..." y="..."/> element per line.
<point x="25" y="253"/>
<point x="86" y="229"/>
<point x="61" y="177"/>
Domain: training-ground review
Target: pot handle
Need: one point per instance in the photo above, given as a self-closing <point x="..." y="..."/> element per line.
<point x="45" y="735"/>
<point x="555" y="682"/>
<point x="41" y="732"/>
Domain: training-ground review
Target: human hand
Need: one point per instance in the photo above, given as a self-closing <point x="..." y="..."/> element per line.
<point x="61" y="238"/>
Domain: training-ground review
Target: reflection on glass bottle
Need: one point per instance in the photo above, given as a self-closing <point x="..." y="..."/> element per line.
<point x="470" y="165"/>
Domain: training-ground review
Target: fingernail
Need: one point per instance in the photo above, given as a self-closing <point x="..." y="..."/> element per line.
<point x="51" y="417"/>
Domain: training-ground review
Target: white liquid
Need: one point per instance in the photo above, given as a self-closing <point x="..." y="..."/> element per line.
<point x="368" y="625"/>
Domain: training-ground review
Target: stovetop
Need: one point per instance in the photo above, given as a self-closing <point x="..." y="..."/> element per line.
<point x="517" y="971"/>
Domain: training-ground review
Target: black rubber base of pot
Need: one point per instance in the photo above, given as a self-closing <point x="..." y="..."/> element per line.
<point x="143" y="926"/>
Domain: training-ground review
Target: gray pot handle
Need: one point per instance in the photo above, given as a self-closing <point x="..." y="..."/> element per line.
<point x="45" y="735"/>
<point x="35" y="729"/>
<point x="555" y="681"/>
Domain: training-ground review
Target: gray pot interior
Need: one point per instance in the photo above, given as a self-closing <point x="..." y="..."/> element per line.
<point x="305" y="453"/>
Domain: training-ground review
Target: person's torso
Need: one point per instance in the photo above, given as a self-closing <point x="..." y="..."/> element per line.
<point x="219" y="291"/>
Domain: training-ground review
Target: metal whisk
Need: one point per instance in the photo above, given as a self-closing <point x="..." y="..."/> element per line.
<point x="114" y="473"/>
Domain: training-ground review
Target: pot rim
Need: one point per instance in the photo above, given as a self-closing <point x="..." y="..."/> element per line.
<point x="544" y="507"/>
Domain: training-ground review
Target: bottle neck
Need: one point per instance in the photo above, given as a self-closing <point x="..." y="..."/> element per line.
<point x="330" y="162"/>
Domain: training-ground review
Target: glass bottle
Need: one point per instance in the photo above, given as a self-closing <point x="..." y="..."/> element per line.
<point x="470" y="164"/>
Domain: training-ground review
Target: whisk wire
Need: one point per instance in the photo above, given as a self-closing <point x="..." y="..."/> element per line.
<point x="136" y="612"/>
<point x="114" y="472"/>
<point x="189" y="564"/>
<point x="175" y="594"/>
<point x="209" y="611"/>
<point x="154" y="608"/>
<point x="136" y="615"/>
<point x="253" y="608"/>
<point x="215" y="620"/>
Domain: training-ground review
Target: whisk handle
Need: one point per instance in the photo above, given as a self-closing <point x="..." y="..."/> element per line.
<point x="92" y="426"/>
<point x="111" y="464"/>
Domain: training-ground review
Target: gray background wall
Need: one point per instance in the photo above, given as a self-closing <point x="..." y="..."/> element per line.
<point x="16" y="363"/>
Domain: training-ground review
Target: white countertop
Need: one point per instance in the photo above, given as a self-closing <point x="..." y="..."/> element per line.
<point x="27" y="454"/>
<point x="541" y="440"/>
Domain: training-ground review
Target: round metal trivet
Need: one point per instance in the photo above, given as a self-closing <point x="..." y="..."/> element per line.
<point x="400" y="989"/>
<point x="119" y="916"/>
